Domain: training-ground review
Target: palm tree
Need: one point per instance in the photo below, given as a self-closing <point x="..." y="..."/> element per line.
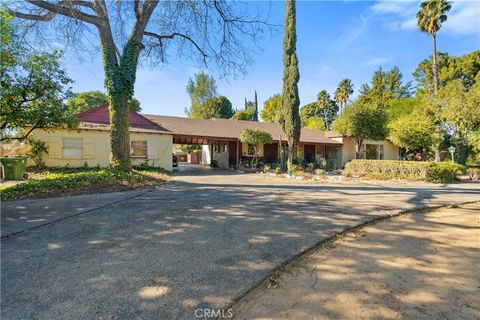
<point x="430" y="18"/>
<point x="343" y="92"/>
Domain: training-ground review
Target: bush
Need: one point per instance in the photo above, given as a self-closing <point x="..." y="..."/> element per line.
<point x="318" y="172"/>
<point x="36" y="150"/>
<point x="412" y="170"/>
<point x="69" y="181"/>
<point x="474" y="174"/>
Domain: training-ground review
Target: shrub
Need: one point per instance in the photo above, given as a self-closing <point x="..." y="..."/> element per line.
<point x="78" y="180"/>
<point x="318" y="172"/>
<point x="474" y="174"/>
<point x="412" y="170"/>
<point x="36" y="150"/>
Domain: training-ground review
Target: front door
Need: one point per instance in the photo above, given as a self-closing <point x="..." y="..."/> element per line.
<point x="232" y="153"/>
<point x="309" y="152"/>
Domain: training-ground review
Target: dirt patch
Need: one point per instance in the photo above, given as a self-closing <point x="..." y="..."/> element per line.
<point x="417" y="266"/>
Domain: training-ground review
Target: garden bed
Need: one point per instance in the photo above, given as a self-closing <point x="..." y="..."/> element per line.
<point x="52" y="182"/>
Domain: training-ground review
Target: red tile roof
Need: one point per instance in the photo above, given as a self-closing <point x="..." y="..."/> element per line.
<point x="93" y="118"/>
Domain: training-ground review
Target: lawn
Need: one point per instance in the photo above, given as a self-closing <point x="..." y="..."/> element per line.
<point x="53" y="182"/>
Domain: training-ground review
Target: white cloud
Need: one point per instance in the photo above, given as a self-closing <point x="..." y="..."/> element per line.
<point x="464" y="18"/>
<point x="386" y="7"/>
<point x="376" y="62"/>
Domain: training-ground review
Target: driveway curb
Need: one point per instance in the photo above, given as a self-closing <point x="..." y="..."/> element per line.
<point x="333" y="238"/>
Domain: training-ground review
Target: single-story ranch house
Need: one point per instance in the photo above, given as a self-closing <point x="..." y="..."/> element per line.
<point x="152" y="138"/>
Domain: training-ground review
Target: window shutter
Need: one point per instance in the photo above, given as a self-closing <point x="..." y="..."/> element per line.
<point x="88" y="148"/>
<point x="152" y="151"/>
<point x="54" y="148"/>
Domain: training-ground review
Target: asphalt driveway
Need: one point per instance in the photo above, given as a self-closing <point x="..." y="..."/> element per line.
<point x="199" y="242"/>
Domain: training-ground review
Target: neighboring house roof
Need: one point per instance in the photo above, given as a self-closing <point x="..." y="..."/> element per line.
<point x="98" y="118"/>
<point x="231" y="129"/>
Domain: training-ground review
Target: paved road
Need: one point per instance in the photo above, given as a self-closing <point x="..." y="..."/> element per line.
<point x="200" y="241"/>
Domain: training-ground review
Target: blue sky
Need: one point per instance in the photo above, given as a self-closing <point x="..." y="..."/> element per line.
<point x="336" y="40"/>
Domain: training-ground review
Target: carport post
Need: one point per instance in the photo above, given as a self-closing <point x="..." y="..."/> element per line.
<point x="238" y="154"/>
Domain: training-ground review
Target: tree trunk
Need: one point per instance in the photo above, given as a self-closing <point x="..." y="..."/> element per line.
<point x="119" y="140"/>
<point x="119" y="82"/>
<point x="434" y="65"/>
<point x="358" y="145"/>
<point x="291" y="146"/>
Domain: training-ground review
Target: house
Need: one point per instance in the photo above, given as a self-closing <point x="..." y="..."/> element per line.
<point x="152" y="138"/>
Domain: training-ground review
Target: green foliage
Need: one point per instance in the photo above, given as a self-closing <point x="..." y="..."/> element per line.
<point x="219" y="107"/>
<point x="461" y="111"/>
<point x="246" y="115"/>
<point x="189" y="148"/>
<point x="272" y="109"/>
<point x="432" y="14"/>
<point x="36" y="151"/>
<point x="450" y="68"/>
<point x="315" y="123"/>
<point x="84" y="101"/>
<point x="253" y="106"/>
<point x="290" y="98"/>
<point x="255" y="136"/>
<point x="324" y="109"/>
<point x="201" y="88"/>
<point x="443" y="172"/>
<point x="33" y="87"/>
<point x="397" y="108"/>
<point x="385" y="86"/>
<point x="78" y="180"/>
<point x="327" y="109"/>
<point x="414" y="132"/>
<point x="361" y="121"/>
<point x="343" y="92"/>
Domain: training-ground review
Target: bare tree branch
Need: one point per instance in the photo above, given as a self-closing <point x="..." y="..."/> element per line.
<point x="65" y="8"/>
<point x="176" y="34"/>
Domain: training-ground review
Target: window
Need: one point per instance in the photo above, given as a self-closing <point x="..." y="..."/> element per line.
<point x="138" y="149"/>
<point x="372" y="151"/>
<point x="251" y="149"/>
<point x="72" y="148"/>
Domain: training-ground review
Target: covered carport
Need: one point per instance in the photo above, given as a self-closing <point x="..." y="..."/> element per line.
<point x="221" y="144"/>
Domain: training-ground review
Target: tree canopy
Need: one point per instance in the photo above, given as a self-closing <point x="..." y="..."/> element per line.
<point x="255" y="137"/>
<point x="200" y="88"/>
<point x="33" y="87"/>
<point x="220" y="33"/>
<point x="362" y="121"/>
<point x="415" y="131"/>
<point x="245" y="114"/>
<point x="343" y="92"/>
<point x="272" y="109"/>
<point x="86" y="100"/>
<point x="315" y="123"/>
<point x="465" y="68"/>
<point x="385" y="85"/>
<point x="219" y="107"/>
<point x="290" y="98"/>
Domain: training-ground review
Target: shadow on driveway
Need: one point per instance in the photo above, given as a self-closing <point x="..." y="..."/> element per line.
<point x="199" y="242"/>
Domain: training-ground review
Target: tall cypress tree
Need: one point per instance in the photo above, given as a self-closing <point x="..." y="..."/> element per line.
<point x="291" y="76"/>
<point x="256" y="106"/>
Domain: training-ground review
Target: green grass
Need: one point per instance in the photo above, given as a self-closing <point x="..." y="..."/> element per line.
<point x="68" y="181"/>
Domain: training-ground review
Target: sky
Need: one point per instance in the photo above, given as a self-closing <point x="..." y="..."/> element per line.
<point x="335" y="40"/>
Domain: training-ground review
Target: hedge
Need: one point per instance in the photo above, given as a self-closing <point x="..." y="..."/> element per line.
<point x="440" y="172"/>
